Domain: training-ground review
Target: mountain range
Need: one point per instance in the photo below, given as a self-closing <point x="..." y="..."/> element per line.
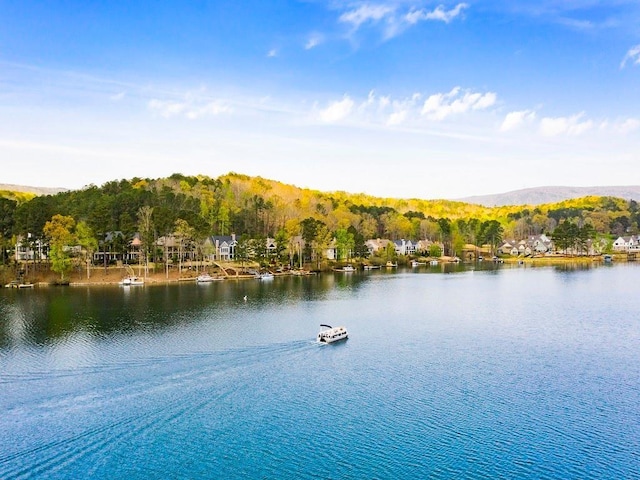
<point x="36" y="190"/>
<point x="542" y="195"/>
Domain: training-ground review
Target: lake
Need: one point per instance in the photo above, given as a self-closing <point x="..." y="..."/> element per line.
<point x="507" y="372"/>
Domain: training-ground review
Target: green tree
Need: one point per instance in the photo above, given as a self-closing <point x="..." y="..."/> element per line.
<point x="445" y="233"/>
<point x="344" y="244"/>
<point x="59" y="232"/>
<point x="491" y="232"/>
<point x="243" y="249"/>
<point x="7" y="221"/>
<point x="87" y="240"/>
<point x="360" y="249"/>
<point x="281" y="240"/>
<point x="309" y="231"/>
<point x="184" y="234"/>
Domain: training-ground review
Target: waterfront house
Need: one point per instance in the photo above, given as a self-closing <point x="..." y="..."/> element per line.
<point x="539" y="243"/>
<point x="376" y="245"/>
<point x="508" y="248"/>
<point x="404" y="247"/>
<point x="626" y="244"/>
<point x="224" y="247"/>
<point x="30" y="248"/>
<point x="114" y="247"/>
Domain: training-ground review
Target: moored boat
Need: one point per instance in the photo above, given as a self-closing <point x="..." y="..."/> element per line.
<point x="346" y="269"/>
<point x="18" y="284"/>
<point x="131" y="281"/>
<point x="332" y="334"/>
<point x="206" y="278"/>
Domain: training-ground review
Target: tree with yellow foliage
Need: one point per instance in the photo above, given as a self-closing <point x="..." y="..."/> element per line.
<point x="59" y="232"/>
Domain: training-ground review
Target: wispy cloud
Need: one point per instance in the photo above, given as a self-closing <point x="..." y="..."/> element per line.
<point x="628" y="125"/>
<point x="514" y="120"/>
<point x="314" y="40"/>
<point x="366" y="13"/>
<point x="439" y="14"/>
<point x="337" y="111"/>
<point x="574" y="125"/>
<point x="191" y="108"/>
<point x="393" y="19"/>
<point x="272" y="53"/>
<point x="441" y="105"/>
<point x="632" y="56"/>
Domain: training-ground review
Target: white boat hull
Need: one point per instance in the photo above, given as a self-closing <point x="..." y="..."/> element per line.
<point x="333" y="334"/>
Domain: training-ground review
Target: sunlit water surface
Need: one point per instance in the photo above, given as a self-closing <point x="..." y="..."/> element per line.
<point x="507" y="373"/>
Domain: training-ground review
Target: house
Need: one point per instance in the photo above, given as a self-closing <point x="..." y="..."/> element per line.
<point x="331" y="252"/>
<point x="30" y="248"/>
<point x="376" y="245"/>
<point x="115" y="247"/>
<point x="404" y="247"/>
<point x="524" y="248"/>
<point x="539" y="243"/>
<point x="423" y="246"/>
<point x="509" y="247"/>
<point x="626" y="244"/>
<point x="169" y="245"/>
<point x="272" y="247"/>
<point x="224" y="247"/>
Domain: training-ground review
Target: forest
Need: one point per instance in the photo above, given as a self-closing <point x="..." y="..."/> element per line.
<point x="198" y="207"/>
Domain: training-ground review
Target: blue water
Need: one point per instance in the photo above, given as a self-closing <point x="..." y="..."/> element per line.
<point x="507" y="373"/>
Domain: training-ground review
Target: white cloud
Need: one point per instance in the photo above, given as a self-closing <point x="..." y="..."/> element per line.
<point x="514" y="120"/>
<point x="438" y="14"/>
<point x="394" y="21"/>
<point x="313" y="41"/>
<point x="337" y="111"/>
<point x="396" y="118"/>
<point x="441" y="105"/>
<point x="410" y="111"/>
<point x="629" y="125"/>
<point x="574" y="125"/>
<point x="272" y="53"/>
<point x="632" y="56"/>
<point x="366" y="13"/>
<point x="190" y="108"/>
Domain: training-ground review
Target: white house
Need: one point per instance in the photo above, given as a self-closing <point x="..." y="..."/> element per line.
<point x="627" y="244"/>
<point x="540" y="243"/>
<point x="30" y="248"/>
<point x="404" y="247"/>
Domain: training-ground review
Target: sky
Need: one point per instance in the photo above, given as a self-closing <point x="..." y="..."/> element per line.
<point x="393" y="98"/>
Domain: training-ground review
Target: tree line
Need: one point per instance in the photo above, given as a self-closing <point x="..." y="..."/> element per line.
<point x="196" y="207"/>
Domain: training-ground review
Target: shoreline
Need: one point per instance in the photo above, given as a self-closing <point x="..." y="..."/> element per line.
<point x="114" y="274"/>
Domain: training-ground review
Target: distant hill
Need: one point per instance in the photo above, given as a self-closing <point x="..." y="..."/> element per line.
<point x="542" y="195"/>
<point x="35" y="190"/>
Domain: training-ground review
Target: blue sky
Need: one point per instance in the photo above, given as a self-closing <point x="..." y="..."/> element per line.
<point x="397" y="98"/>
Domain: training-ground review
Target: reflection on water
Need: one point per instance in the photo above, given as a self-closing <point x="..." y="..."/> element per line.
<point x="450" y="371"/>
